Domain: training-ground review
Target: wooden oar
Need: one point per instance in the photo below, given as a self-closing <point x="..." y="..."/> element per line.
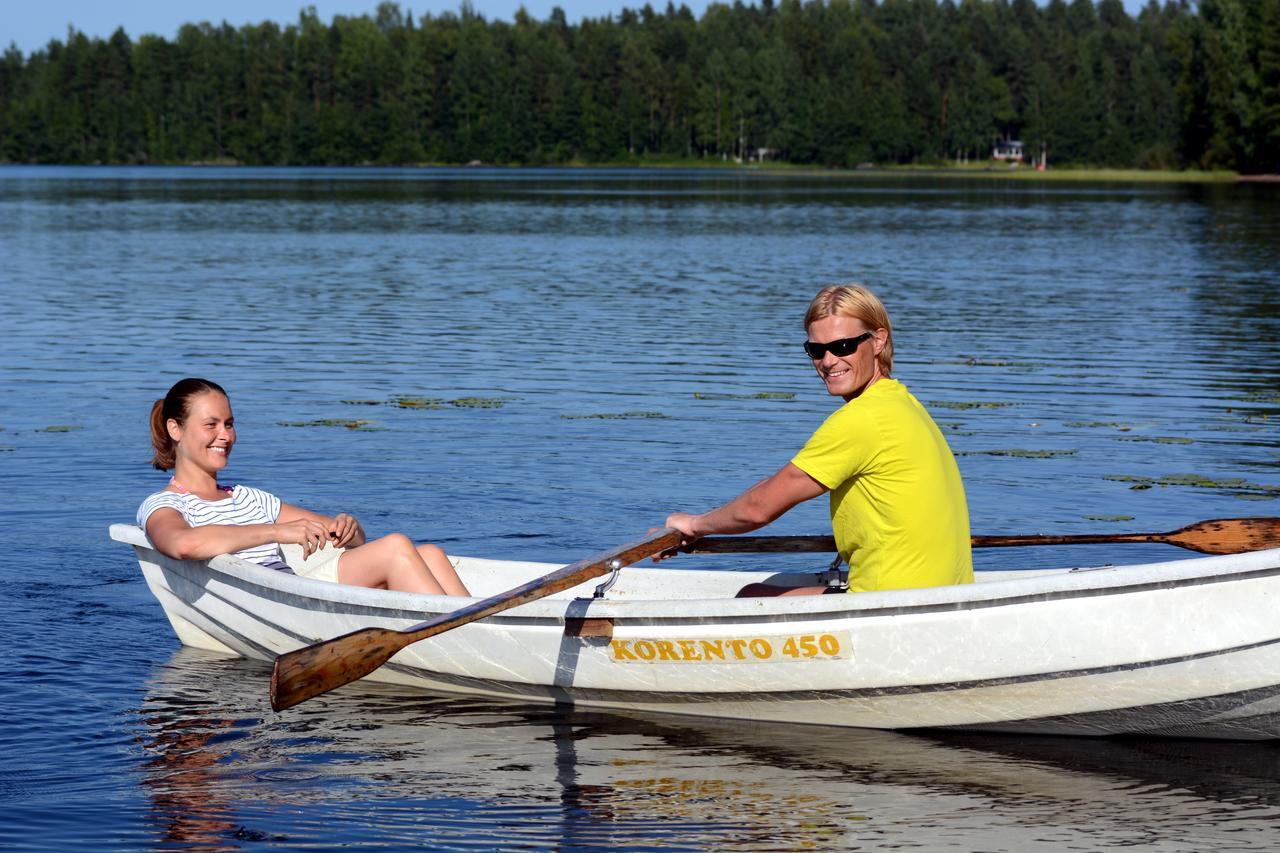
<point x="301" y="674"/>
<point x="1219" y="536"/>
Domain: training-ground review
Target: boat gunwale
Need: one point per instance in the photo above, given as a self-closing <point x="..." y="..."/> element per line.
<point x="1068" y="583"/>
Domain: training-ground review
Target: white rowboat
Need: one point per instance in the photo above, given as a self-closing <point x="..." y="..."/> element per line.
<point x="1186" y="648"/>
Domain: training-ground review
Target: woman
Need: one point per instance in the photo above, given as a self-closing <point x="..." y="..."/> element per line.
<point x="898" y="509"/>
<point x="195" y="518"/>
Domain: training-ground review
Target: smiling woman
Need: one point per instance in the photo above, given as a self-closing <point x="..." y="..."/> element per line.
<point x="898" y="508"/>
<point x="195" y="518"/>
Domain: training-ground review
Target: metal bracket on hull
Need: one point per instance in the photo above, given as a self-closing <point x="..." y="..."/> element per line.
<point x="616" y="565"/>
<point x="833" y="577"/>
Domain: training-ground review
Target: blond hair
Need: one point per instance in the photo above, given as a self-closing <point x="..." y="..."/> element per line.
<point x="856" y="301"/>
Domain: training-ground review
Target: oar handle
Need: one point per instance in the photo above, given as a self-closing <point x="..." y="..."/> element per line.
<point x="826" y="544"/>
<point x="1067" y="539"/>
<point x="1216" y="536"/>
<point x="759" y="545"/>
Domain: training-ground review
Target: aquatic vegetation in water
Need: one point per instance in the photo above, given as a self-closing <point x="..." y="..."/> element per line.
<point x="479" y="402"/>
<point x="956" y="428"/>
<point x="461" y="402"/>
<point x="1261" y="397"/>
<point x="60" y="428"/>
<point x="1020" y="453"/>
<point x="1111" y="424"/>
<point x="407" y="401"/>
<point x="417" y="402"/>
<point x="1016" y="366"/>
<point x="1109" y="517"/>
<point x="961" y="405"/>
<point x="761" y="395"/>
<point x="1241" y="487"/>
<point x="615" y="416"/>
<point x="325" y="422"/>
<point x="1158" y="439"/>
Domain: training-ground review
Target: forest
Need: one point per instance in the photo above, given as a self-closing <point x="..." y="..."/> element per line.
<point x="834" y="83"/>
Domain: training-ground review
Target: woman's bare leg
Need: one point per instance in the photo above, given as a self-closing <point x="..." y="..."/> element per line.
<point x="442" y="570"/>
<point x="392" y="562"/>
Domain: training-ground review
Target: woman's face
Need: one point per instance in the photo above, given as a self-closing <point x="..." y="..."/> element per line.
<point x="847" y="376"/>
<point x="209" y="433"/>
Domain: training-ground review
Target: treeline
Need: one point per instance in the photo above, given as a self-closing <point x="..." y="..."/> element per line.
<point x="830" y="82"/>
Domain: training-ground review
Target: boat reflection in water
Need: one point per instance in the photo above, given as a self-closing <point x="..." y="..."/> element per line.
<point x="184" y="783"/>
<point x="375" y="766"/>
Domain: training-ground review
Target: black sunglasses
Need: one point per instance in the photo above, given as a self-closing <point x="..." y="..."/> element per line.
<point x="840" y="348"/>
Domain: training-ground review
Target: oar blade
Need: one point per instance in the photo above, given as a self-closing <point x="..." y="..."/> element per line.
<point x="307" y="672"/>
<point x="1228" y="535"/>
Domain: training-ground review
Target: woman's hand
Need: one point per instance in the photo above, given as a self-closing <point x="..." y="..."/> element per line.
<point x="307" y="532"/>
<point x="345" y="532"/>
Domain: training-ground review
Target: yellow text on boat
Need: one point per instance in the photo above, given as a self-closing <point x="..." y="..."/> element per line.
<point x="833" y="645"/>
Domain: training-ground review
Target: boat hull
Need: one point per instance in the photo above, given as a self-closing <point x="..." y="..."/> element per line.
<point x="1189" y="648"/>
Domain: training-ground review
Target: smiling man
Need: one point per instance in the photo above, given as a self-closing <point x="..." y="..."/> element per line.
<point x="898" y="509"/>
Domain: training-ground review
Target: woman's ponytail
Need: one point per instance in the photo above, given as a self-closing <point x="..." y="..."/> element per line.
<point x="162" y="458"/>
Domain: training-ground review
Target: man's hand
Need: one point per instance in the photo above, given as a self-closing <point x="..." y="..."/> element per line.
<point x="686" y="523"/>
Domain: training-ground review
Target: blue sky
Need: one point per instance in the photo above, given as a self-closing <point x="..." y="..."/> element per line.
<point x="42" y="20"/>
<point x="38" y="21"/>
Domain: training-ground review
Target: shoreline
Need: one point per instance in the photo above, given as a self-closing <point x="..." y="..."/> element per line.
<point x="981" y="172"/>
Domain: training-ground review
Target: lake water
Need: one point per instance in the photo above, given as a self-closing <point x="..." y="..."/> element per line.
<point x="595" y="349"/>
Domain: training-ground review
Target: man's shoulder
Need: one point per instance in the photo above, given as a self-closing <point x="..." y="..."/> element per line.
<point x="884" y="394"/>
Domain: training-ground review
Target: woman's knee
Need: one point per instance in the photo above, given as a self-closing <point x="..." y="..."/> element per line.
<point x="397" y="546"/>
<point x="397" y="541"/>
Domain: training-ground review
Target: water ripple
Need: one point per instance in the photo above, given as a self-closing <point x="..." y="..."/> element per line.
<point x="1100" y="357"/>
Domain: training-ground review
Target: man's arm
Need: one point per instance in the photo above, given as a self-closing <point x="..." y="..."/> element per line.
<point x="754" y="508"/>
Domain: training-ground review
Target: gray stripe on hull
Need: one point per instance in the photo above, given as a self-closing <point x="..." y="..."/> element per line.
<point x="956" y="606"/>
<point x="767" y="618"/>
<point x="220" y="630"/>
<point x="1181" y="718"/>
<point x="1200" y="717"/>
<point x="685" y="697"/>
<point x="1192" y="718"/>
<point x="605" y="694"/>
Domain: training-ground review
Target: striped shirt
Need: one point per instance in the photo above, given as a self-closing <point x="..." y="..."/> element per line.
<point x="245" y="505"/>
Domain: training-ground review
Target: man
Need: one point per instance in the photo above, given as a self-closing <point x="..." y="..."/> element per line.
<point x="898" y="509"/>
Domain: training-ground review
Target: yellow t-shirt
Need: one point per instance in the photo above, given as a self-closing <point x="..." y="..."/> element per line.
<point x="897" y="503"/>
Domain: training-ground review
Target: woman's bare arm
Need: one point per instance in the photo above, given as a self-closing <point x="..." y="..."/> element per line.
<point x="170" y="533"/>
